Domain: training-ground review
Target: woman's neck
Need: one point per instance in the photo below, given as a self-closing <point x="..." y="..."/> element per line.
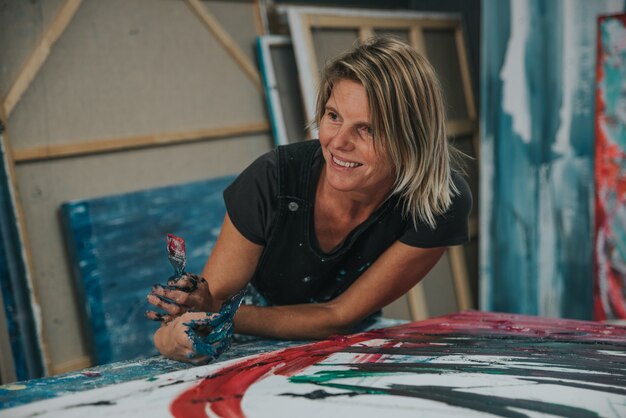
<point x="337" y="213"/>
<point x="353" y="204"/>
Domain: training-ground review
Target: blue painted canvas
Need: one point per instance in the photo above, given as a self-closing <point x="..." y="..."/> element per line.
<point x="15" y="288"/>
<point x="537" y="145"/>
<point x="117" y="246"/>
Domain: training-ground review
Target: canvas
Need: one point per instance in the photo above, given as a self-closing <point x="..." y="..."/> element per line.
<point x="117" y="247"/>
<point x="466" y="364"/>
<point x="537" y="144"/>
<point x="282" y="94"/>
<point x="24" y="355"/>
<point x="610" y="171"/>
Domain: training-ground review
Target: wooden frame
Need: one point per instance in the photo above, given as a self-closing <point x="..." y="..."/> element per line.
<point x="137" y="141"/>
<point x="213" y="26"/>
<point x="39" y="55"/>
<point x="43" y="49"/>
<point x="302" y="20"/>
<point x="28" y="73"/>
<point x="282" y="94"/>
<point x="275" y="108"/>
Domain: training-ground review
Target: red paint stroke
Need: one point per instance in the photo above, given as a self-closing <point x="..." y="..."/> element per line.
<point x="223" y="390"/>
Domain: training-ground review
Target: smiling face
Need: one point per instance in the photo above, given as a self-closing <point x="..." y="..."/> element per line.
<point x="352" y="164"/>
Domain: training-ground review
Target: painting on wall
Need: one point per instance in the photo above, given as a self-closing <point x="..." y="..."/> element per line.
<point x="466" y="364"/>
<point x="537" y="155"/>
<point x="610" y="170"/>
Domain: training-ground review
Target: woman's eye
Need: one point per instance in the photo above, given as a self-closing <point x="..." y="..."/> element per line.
<point x="332" y="116"/>
<point x="367" y="131"/>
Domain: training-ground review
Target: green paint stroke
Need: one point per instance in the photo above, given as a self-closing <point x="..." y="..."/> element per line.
<point x="325" y="376"/>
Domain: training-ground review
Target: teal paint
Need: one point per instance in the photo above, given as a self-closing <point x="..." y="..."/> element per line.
<point x="117" y="248"/>
<point x="537" y="86"/>
<point x="22" y="323"/>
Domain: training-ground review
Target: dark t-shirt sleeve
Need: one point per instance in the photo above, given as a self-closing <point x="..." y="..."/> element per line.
<point x="250" y="199"/>
<point x="452" y="226"/>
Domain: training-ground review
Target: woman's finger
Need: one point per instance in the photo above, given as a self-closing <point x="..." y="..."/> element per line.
<point x="171" y="307"/>
<point x="195" y="358"/>
<point x="186" y="283"/>
<point x="158" y="316"/>
<point x="176" y="296"/>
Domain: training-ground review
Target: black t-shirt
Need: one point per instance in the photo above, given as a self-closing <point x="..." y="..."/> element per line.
<point x="306" y="274"/>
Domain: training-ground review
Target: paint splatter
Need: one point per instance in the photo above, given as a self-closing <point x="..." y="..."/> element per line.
<point x="14" y="387"/>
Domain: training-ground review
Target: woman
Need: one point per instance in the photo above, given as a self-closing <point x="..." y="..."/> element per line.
<point x="331" y="231"/>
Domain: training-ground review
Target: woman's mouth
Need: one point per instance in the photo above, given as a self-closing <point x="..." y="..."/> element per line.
<point x="346" y="164"/>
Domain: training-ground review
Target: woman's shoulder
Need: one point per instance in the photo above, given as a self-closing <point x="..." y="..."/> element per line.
<point x="452" y="226"/>
<point x="461" y="184"/>
<point x="299" y="149"/>
<point x="462" y="197"/>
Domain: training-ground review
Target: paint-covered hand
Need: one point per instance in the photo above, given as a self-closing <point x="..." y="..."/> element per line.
<point x="199" y="337"/>
<point x="172" y="339"/>
<point x="190" y="293"/>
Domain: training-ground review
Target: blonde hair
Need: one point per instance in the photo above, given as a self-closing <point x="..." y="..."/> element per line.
<point x="408" y="120"/>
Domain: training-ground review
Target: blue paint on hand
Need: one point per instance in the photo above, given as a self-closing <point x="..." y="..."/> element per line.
<point x="213" y="335"/>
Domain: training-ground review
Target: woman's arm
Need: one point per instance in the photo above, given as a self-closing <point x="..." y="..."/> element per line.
<point x="231" y="265"/>
<point x="396" y="271"/>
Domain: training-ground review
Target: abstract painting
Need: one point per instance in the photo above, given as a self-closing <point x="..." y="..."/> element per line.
<point x="610" y="170"/>
<point x="536" y="155"/>
<point x="467" y="364"/>
<point x="117" y="247"/>
<point x="24" y="355"/>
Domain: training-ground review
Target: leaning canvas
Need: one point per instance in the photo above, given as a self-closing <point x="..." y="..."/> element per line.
<point x="610" y="170"/>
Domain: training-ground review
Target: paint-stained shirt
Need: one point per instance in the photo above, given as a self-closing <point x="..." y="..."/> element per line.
<point x="271" y="204"/>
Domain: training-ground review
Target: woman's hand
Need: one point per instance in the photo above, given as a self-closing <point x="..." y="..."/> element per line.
<point x="198" y="337"/>
<point x="190" y="293"/>
<point x="173" y="340"/>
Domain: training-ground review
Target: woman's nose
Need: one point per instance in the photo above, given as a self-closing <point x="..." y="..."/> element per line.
<point x="342" y="138"/>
